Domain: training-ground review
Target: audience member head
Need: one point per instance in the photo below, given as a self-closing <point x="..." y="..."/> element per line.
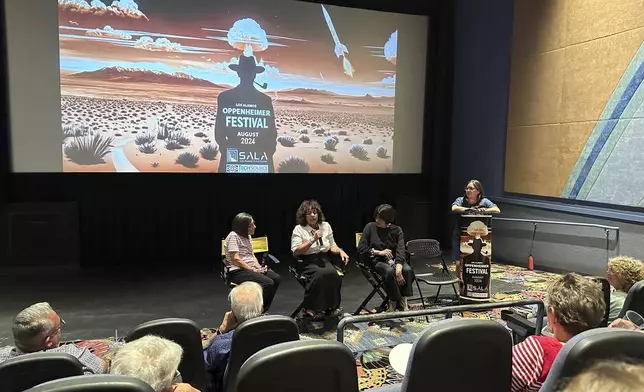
<point x="151" y="359"/>
<point x="474" y="190"/>
<point x="243" y="224"/>
<point x="610" y="376"/>
<point x="384" y="215"/>
<point x="246" y="301"/>
<point x="37" y="328"/>
<point x="623" y="272"/>
<point x="575" y="304"/>
<point x="309" y="213"/>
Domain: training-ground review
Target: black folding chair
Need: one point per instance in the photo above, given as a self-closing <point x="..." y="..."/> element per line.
<point x="374" y="280"/>
<point x="634" y="300"/>
<point x="94" y="383"/>
<point x="429" y="249"/>
<point x="294" y="268"/>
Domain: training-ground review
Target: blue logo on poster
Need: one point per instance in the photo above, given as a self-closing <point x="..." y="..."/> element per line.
<point x="232" y="155"/>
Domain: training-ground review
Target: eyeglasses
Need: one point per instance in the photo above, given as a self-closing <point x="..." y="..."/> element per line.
<point x="56" y="330"/>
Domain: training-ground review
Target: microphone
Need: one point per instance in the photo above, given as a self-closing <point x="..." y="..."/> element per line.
<point x="262" y="85"/>
<point x="319" y="239"/>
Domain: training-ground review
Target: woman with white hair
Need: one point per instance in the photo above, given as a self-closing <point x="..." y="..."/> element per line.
<point x="153" y="360"/>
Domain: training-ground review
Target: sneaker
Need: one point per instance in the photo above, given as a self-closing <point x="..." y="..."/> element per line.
<point x="392" y="306"/>
<point x="334" y="312"/>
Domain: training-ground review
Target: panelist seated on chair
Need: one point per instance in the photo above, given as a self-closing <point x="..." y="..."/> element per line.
<point x="622" y="274"/>
<point x="245" y="304"/>
<point x="243" y="265"/>
<point x="312" y="243"/>
<point x="575" y="304"/>
<point x="382" y="245"/>
<point x="38" y="328"/>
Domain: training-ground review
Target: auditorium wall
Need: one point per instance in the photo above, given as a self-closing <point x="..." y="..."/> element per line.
<point x="483" y="41"/>
<point x="576" y="112"/>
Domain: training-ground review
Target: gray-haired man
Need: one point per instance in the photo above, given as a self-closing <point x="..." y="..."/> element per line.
<point x="37" y="329"/>
<point x="245" y="303"/>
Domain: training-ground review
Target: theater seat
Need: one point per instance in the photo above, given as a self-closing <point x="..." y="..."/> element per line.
<point x="588" y="347"/>
<point x="304" y="365"/>
<point x="94" y="383"/>
<point x="185" y="333"/>
<point x="634" y="299"/>
<point x="459" y="355"/>
<point x="254" y="335"/>
<point x="28" y="370"/>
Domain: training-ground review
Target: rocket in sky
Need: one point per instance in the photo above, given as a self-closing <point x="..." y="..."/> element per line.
<point x="339" y="49"/>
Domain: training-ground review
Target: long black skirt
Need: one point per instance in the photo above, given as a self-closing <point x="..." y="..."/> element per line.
<point x="322" y="291"/>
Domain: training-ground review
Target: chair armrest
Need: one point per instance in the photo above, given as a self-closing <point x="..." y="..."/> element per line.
<point x="521" y="327"/>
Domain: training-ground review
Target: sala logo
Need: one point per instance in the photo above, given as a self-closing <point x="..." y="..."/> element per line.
<point x="252" y="156"/>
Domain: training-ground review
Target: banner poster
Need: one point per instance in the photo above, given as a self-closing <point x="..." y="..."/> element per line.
<point x="476" y="256"/>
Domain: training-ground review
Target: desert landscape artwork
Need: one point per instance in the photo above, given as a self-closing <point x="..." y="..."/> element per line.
<point x="225" y="86"/>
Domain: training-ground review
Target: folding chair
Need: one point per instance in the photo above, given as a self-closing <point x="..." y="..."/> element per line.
<point x="429" y="249"/>
<point x="302" y="280"/>
<point x="374" y="280"/>
<point x="259" y="244"/>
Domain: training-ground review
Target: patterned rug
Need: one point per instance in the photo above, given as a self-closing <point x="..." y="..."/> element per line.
<point x="372" y="344"/>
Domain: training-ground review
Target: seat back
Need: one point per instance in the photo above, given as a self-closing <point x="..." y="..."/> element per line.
<point x="254" y="335"/>
<point x="589" y="347"/>
<point x="29" y="370"/>
<point x="606" y="290"/>
<point x="304" y="365"/>
<point x="479" y="349"/>
<point x="424" y="248"/>
<point x="94" y="383"/>
<point x="634" y="299"/>
<point x="259" y="244"/>
<point x="185" y="333"/>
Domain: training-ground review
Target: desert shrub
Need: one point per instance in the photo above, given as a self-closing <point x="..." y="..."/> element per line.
<point x="293" y="165"/>
<point x="319" y="131"/>
<point x="381" y="152"/>
<point x="209" y="151"/>
<point x="180" y="137"/>
<point x="206" y="140"/>
<point x="304" y="131"/>
<point x="75" y="130"/>
<point x="200" y="134"/>
<point x="347" y="139"/>
<point x="367" y="141"/>
<point x="88" y="150"/>
<point x="187" y="159"/>
<point x="171" y="144"/>
<point x="358" y="151"/>
<point x="305" y="139"/>
<point x="144" y="138"/>
<point x="164" y="129"/>
<point x="327" y="158"/>
<point x="286" y="141"/>
<point x="148" y="148"/>
<point x="342" y="133"/>
<point x="154" y="164"/>
<point x="330" y="143"/>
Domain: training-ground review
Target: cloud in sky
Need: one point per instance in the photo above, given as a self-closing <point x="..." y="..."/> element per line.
<point x="122" y="8"/>
<point x="158" y="45"/>
<point x="389" y="80"/>
<point x="108" y="32"/>
<point x="391" y="47"/>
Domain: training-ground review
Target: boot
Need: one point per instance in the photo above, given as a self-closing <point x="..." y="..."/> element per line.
<point x="392" y="306"/>
<point x="403" y="304"/>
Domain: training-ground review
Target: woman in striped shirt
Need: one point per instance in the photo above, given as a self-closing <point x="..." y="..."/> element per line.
<point x="575" y="304"/>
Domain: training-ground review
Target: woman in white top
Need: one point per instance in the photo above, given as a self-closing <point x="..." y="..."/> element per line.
<point x="312" y="243"/>
<point x="243" y="265"/>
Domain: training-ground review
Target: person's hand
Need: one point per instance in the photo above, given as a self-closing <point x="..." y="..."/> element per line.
<point x="622" y="323"/>
<point x="399" y="276"/>
<point x="228" y="323"/>
<point x="387" y="253"/>
<point x="316" y="235"/>
<point x="344" y="257"/>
